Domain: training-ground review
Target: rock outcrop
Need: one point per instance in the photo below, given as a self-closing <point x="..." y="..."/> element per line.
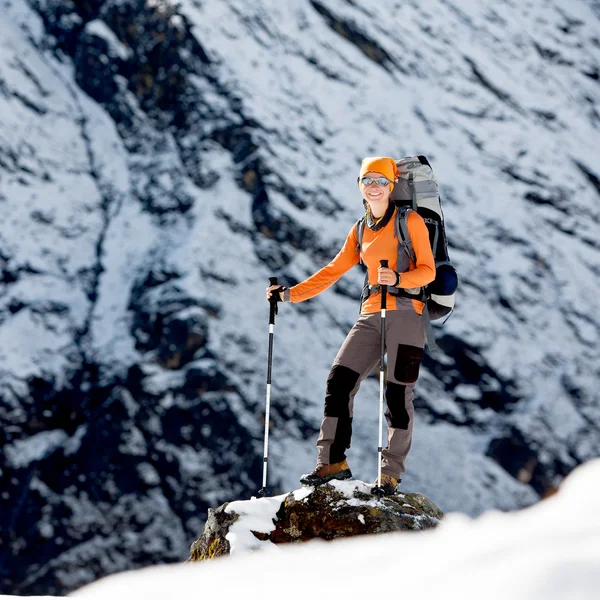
<point x="335" y="510"/>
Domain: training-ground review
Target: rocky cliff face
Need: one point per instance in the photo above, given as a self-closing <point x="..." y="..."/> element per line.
<point x="159" y="160"/>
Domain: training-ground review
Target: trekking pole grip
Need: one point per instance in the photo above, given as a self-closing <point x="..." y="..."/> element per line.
<point x="273" y="301"/>
<point x="383" y="263"/>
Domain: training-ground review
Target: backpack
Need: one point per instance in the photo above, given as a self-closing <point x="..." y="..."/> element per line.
<point x="417" y="189"/>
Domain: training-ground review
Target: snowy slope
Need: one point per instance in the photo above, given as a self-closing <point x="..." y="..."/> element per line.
<point x="159" y="161"/>
<point x="547" y="556"/>
<point x="535" y="553"/>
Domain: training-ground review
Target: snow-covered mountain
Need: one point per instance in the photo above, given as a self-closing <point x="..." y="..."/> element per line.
<point x="159" y="160"/>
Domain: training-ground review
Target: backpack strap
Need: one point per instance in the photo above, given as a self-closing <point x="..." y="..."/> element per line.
<point x="411" y="185"/>
<point x="436" y="236"/>
<point x="401" y="230"/>
<point x="366" y="290"/>
<point x="360" y="229"/>
<point x="429" y="330"/>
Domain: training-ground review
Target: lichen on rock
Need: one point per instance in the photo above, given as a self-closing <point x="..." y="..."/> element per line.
<point x="212" y="544"/>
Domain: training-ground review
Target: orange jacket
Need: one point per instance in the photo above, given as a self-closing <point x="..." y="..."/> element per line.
<point x="376" y="245"/>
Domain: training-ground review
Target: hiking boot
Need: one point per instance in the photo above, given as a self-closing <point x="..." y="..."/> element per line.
<point x="387" y="487"/>
<point x="324" y="473"/>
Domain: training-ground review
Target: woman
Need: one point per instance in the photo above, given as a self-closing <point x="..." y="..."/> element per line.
<point x="360" y="352"/>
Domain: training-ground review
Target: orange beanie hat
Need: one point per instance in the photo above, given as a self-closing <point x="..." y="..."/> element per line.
<point x="380" y="164"/>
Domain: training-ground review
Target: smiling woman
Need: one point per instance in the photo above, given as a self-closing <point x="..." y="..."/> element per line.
<point x="403" y="328"/>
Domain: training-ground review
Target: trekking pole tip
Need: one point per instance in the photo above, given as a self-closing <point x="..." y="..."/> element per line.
<point x="378" y="491"/>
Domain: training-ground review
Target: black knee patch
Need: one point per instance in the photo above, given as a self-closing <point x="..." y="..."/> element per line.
<point x="340" y="383"/>
<point x="408" y="362"/>
<point x="396" y="414"/>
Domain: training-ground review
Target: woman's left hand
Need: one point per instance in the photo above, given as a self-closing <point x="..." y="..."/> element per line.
<point x="386" y="276"/>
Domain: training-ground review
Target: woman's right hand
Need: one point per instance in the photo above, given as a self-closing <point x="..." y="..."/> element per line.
<point x="270" y="290"/>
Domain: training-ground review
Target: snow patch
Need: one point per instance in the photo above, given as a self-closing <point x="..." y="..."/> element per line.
<point x="102" y="30"/>
<point x="256" y="514"/>
<point x="21" y="453"/>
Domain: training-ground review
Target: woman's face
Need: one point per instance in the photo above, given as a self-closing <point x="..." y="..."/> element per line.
<point x="376" y="195"/>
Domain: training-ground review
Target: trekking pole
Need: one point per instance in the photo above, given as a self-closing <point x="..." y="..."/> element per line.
<point x="377" y="489"/>
<point x="272" y="312"/>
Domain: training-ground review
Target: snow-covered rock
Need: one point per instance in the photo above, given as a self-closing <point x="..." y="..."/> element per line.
<point x="335" y="510"/>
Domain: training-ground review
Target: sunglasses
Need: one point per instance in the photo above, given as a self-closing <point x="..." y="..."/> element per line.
<point x="382" y="181"/>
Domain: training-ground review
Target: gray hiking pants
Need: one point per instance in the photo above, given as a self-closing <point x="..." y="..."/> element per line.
<point x="358" y="356"/>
